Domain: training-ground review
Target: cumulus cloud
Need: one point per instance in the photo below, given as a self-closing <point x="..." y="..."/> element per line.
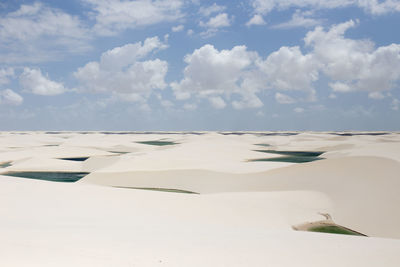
<point x="256" y="20"/>
<point x="298" y="110"/>
<point x="178" y="28"/>
<point x="120" y="57"/>
<point x="36" y="33"/>
<point x="214" y="74"/>
<point x="5" y="75"/>
<point x="9" y="97"/>
<point x="237" y="76"/>
<point x="221" y="20"/>
<point x="340" y="87"/>
<point x="379" y="7"/>
<point x="354" y="64"/>
<point x="209" y="10"/>
<point x="166" y="103"/>
<point x="370" y="6"/>
<point x="190" y="106"/>
<point x="299" y="19"/>
<point x="217" y="102"/>
<point x="266" y="6"/>
<point x="114" y="16"/>
<point x="33" y="81"/>
<point x="284" y="99"/>
<point x="289" y="69"/>
<point x="248" y="100"/>
<point x="124" y="73"/>
<point x="190" y="32"/>
<point x="350" y="65"/>
<point x="376" y="95"/>
<point x="395" y="104"/>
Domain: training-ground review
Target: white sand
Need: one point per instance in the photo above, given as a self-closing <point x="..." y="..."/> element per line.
<point x="243" y="215"/>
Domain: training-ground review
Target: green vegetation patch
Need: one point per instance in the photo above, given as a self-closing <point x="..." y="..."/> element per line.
<point x="157" y="143"/>
<point x="67" y="177"/>
<point x="170" y="190"/>
<point x="334" y="229"/>
<point x="5" y="164"/>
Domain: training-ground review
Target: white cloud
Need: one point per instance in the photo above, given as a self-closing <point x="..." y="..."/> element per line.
<point x="256" y="20"/>
<point x="36" y="33"/>
<point x="357" y="111"/>
<point x="114" y="16"/>
<point x="190" y="32"/>
<point x="217" y="102"/>
<point x="34" y="82"/>
<point x="122" y="73"/>
<point x="376" y="95"/>
<point x="214" y="8"/>
<point x="354" y="64"/>
<point x="379" y="7"/>
<point x="189" y="106"/>
<point x="219" y="21"/>
<point x="120" y="57"/>
<point x="9" y="97"/>
<point x="318" y="107"/>
<point x="31" y="21"/>
<point x="211" y="73"/>
<point x="178" y="28"/>
<point x="284" y="99"/>
<point x="263" y="6"/>
<point x="340" y="87"/>
<point x="298" y="110"/>
<point x="395" y="104"/>
<point x="167" y="104"/>
<point x="289" y="69"/>
<point x="248" y="100"/>
<point x="260" y="114"/>
<point x="341" y="57"/>
<point x="209" y="33"/>
<point x="299" y="19"/>
<point x="5" y="74"/>
<point x="351" y="65"/>
<point x="237" y="76"/>
<point x="370" y="6"/>
<point x="213" y="25"/>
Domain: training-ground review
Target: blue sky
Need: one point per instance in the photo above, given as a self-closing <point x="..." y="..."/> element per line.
<point x="200" y="65"/>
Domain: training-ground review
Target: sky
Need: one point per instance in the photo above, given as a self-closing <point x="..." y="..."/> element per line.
<point x="183" y="65"/>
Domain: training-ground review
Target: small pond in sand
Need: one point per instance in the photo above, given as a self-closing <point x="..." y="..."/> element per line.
<point x="290" y="156"/>
<point x="67" y="177"/>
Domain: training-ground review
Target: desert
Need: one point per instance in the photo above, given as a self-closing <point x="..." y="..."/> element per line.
<point x="199" y="198"/>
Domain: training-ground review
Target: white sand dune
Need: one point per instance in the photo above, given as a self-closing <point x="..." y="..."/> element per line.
<point x="351" y="183"/>
<point x="243" y="215"/>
